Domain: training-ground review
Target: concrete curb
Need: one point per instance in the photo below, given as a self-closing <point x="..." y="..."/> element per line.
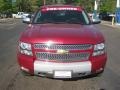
<point x="107" y="23"/>
<point x="7" y="20"/>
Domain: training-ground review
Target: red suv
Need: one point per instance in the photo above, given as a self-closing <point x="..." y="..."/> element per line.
<point x="61" y="42"/>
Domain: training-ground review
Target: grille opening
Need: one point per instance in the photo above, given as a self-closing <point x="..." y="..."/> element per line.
<point x="62" y="57"/>
<point x="66" y="47"/>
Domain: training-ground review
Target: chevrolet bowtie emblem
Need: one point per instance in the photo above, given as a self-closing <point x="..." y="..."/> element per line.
<point x="62" y="51"/>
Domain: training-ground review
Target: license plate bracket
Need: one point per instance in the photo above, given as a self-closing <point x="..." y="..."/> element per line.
<point x="62" y="74"/>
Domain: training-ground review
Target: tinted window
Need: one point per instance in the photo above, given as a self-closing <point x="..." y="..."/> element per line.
<point x="62" y="16"/>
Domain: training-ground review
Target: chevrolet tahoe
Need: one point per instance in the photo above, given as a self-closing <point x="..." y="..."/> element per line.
<point x="61" y="42"/>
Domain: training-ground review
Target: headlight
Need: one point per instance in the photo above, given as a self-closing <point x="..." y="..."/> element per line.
<point x="99" y="49"/>
<point x="25" y="48"/>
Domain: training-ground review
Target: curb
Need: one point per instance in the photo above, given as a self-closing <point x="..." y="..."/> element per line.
<point x="8" y="20"/>
<point x="110" y="24"/>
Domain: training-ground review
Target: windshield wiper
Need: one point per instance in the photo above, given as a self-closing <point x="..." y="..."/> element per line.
<point x="44" y="22"/>
<point x="74" y="21"/>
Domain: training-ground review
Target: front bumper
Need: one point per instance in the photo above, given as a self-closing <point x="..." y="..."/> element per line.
<point x="47" y="69"/>
<point x="79" y="69"/>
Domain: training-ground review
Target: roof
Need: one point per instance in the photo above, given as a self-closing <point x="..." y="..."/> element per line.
<point x="61" y="6"/>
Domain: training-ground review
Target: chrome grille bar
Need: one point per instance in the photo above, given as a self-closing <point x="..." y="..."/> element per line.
<point x="65" y="47"/>
<point x="62" y="57"/>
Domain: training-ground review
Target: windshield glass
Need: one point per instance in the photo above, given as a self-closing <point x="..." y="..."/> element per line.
<point x="62" y="16"/>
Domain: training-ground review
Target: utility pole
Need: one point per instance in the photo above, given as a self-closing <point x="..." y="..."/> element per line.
<point x="44" y="2"/>
<point x="118" y="12"/>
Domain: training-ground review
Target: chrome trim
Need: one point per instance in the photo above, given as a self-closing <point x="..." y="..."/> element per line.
<point x="69" y="57"/>
<point x="63" y="47"/>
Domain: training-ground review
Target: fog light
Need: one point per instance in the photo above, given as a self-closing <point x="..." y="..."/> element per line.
<point x="25" y="69"/>
<point x="99" y="70"/>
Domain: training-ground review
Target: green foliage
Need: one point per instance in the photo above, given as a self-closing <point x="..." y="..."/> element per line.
<point x="39" y="3"/>
<point x="5" y="5"/>
<point x="88" y="5"/>
<point x="31" y="5"/>
<point x="1" y="5"/>
<point x="24" y="5"/>
<point x="70" y="1"/>
<point x="104" y="5"/>
<point x="108" y="6"/>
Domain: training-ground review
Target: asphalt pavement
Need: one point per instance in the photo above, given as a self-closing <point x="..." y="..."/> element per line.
<point x="12" y="79"/>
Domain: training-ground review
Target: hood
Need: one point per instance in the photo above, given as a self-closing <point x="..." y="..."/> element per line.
<point x="62" y="34"/>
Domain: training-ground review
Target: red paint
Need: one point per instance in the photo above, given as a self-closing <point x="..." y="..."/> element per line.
<point x="26" y="62"/>
<point x="98" y="62"/>
<point x="62" y="34"/>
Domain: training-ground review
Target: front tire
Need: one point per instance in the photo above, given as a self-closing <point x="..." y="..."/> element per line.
<point x="99" y="74"/>
<point x="25" y="73"/>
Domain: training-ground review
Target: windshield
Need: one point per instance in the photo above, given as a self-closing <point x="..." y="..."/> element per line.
<point x="62" y="16"/>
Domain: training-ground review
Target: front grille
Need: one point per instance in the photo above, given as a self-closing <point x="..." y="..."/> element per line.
<point x="62" y="57"/>
<point x="63" y="47"/>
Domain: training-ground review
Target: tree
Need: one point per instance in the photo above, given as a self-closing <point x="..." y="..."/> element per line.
<point x="39" y="3"/>
<point x="5" y="5"/>
<point x="69" y="1"/>
<point x="88" y="5"/>
<point x="24" y="5"/>
<point x="105" y="5"/>
<point x="1" y="5"/>
<point x="32" y="5"/>
<point x="108" y="6"/>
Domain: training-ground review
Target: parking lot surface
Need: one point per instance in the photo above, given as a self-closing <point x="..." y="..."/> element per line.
<point x="12" y="79"/>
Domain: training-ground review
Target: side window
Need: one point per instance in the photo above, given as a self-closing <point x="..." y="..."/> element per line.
<point x="38" y="17"/>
